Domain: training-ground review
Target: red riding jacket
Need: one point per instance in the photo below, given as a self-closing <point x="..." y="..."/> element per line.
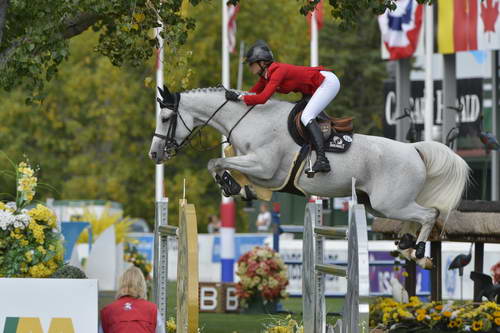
<point x="285" y="78"/>
<point x="129" y="315"/>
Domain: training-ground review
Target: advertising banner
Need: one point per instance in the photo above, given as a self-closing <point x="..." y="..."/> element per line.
<point x="48" y="305"/>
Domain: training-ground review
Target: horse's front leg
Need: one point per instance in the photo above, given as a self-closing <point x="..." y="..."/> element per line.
<point x="249" y="165"/>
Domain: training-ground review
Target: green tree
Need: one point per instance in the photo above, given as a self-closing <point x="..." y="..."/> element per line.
<point x="354" y="55"/>
<point x="34" y="34"/>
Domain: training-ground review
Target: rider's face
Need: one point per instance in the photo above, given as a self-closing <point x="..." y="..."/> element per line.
<point x="255" y="68"/>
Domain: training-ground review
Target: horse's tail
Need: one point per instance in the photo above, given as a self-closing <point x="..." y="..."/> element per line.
<point x="447" y="177"/>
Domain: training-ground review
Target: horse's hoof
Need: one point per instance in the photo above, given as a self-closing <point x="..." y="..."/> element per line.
<point x="406" y="242"/>
<point x="420" y="250"/>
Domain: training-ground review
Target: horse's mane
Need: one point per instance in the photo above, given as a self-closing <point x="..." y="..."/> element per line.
<point x="220" y="89"/>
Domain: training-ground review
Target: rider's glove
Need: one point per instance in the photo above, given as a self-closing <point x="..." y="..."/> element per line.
<point x="232" y="96"/>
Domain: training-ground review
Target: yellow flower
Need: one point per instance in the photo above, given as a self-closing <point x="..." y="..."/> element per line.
<point x="40" y="271"/>
<point x="438" y="307"/>
<point x="447" y="314"/>
<point x="405" y="274"/>
<point x="436" y="317"/>
<point x="477" y="325"/>
<point x="139" y="17"/>
<point x="496" y="314"/>
<point x="421" y="317"/>
<point x="497" y="321"/>
<point x="452" y="324"/>
<point x="459" y="322"/>
<point x="29" y="256"/>
<point x="171" y="326"/>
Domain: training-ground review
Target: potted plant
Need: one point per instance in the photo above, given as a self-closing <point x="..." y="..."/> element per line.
<point x="30" y="240"/>
<point x="263" y="280"/>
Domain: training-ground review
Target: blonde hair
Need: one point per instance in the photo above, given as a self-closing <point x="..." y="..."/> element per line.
<point x="132" y="283"/>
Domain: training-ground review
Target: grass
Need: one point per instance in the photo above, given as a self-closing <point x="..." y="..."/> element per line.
<point x="244" y="323"/>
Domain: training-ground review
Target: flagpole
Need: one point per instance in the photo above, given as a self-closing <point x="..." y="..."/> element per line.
<point x="239" y="83"/>
<point x="429" y="83"/>
<point x="159" y="83"/>
<point x="227" y="207"/>
<point x="314" y="39"/>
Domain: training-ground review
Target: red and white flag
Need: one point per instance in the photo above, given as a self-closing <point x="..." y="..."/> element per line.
<point x="318" y="15"/>
<point x="231" y="27"/>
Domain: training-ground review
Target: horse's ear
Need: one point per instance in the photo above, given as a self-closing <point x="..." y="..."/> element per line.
<point x="168" y="98"/>
<point x="164" y="93"/>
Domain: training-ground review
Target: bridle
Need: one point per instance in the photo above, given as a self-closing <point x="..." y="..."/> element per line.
<point x="171" y="145"/>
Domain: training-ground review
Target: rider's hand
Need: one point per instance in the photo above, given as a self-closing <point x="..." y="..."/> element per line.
<point x="232" y="96"/>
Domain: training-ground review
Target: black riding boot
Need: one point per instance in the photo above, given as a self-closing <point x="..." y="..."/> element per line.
<point x="322" y="164"/>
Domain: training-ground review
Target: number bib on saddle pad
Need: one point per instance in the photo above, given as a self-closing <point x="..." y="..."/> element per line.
<point x="338" y="142"/>
<point x="338" y="132"/>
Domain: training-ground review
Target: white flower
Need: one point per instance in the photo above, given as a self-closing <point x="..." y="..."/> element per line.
<point x="12" y="205"/>
<point x="23" y="219"/>
<point x="6" y="219"/>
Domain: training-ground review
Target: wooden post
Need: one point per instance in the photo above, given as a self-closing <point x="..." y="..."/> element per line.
<point x="411" y="279"/>
<point x="478" y="266"/>
<point x="436" y="278"/>
<point x="187" y="270"/>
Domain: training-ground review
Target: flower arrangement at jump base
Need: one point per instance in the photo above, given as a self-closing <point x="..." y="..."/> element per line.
<point x="30" y="242"/>
<point x="263" y="277"/>
<point x="434" y="316"/>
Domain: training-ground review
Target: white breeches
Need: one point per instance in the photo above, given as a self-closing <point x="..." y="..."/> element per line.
<point x="325" y="93"/>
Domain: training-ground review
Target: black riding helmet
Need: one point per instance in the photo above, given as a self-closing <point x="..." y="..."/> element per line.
<point x="258" y="52"/>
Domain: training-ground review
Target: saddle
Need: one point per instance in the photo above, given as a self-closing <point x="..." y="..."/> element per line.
<point x="338" y="132"/>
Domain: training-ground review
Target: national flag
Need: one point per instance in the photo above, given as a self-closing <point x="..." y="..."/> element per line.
<point x="400" y="28"/>
<point x="231" y="27"/>
<point x="318" y="15"/>
<point x="467" y="25"/>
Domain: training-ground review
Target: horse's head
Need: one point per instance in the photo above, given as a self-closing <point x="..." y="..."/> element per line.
<point x="172" y="128"/>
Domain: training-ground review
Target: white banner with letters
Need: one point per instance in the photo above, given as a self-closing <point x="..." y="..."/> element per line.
<point x="48" y="305"/>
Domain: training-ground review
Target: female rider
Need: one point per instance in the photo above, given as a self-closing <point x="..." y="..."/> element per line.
<point x="284" y="78"/>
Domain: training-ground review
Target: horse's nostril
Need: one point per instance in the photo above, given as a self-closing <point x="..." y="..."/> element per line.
<point x="153" y="155"/>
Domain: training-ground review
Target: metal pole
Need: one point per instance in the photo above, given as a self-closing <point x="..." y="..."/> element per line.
<point x="403" y="89"/>
<point x="228" y="209"/>
<point x="495" y="155"/>
<point x="239" y="84"/>
<point x="159" y="83"/>
<point x="429" y="84"/>
<point x="449" y="95"/>
<point x="160" y="258"/>
<point x="314" y="39"/>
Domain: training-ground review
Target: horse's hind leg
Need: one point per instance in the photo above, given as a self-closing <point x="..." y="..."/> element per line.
<point x="401" y="207"/>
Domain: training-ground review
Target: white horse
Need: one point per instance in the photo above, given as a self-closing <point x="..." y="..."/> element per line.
<point x="414" y="182"/>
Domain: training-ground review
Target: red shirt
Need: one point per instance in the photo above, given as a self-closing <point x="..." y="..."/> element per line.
<point x="129" y="315"/>
<point x="285" y="78"/>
